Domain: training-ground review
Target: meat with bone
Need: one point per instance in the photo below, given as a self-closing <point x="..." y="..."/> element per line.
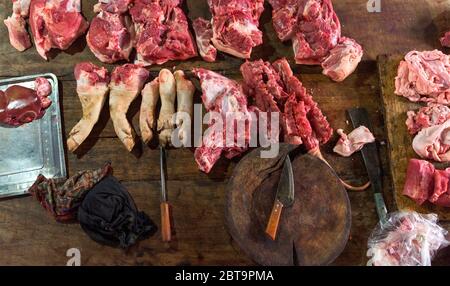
<point x="16" y="25"/>
<point x="113" y="6"/>
<point x="433" y="142"/>
<point x="223" y="97"/>
<point x="445" y="40"/>
<point x="167" y="92"/>
<point x="185" y="106"/>
<point x="92" y="89"/>
<point x="235" y="26"/>
<point x="20" y="105"/>
<point x="424" y="76"/>
<point x="203" y="34"/>
<point x="162" y="32"/>
<point x="419" y="182"/>
<point x="126" y="83"/>
<point x="150" y="97"/>
<point x="342" y="60"/>
<point x="427" y="116"/>
<point x="111" y="37"/>
<point x="56" y="24"/>
<point x="353" y="142"/>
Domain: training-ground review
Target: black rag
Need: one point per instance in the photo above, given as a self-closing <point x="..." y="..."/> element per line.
<point x="109" y="215"/>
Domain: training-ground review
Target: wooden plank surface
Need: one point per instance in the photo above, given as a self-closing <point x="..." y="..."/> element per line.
<point x="399" y="139"/>
<point x="29" y="237"/>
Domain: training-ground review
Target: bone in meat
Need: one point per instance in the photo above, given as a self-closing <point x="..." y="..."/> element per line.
<point x="185" y="105"/>
<point x="150" y="96"/>
<point x="167" y="91"/>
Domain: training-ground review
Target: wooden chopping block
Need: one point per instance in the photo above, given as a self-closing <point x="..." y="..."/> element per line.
<point x="314" y="231"/>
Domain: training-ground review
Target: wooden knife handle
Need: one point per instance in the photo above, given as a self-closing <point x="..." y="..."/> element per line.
<point x="272" y="225"/>
<point x="166" y="231"/>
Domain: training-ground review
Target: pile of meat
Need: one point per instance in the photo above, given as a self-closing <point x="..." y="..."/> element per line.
<point x="158" y="29"/>
<point x="424" y="76"/>
<point x="20" y="105"/>
<point x="124" y="86"/>
<point x="233" y="28"/>
<point x="54" y="24"/>
<point x="315" y="31"/>
<point x="425" y="183"/>
<point x="445" y="40"/>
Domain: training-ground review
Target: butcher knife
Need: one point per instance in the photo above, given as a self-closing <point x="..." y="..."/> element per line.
<point x="359" y="116"/>
<point x="166" y="231"/>
<point x="283" y="199"/>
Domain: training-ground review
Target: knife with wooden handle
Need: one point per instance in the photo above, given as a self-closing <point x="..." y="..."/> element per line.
<point x="284" y="198"/>
<point x="166" y="230"/>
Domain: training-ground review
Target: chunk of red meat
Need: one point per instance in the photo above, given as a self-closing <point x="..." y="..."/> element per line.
<point x="419" y="182"/>
<point x="204" y="33"/>
<point x="445" y="40"/>
<point x="113" y="6"/>
<point x="427" y="116"/>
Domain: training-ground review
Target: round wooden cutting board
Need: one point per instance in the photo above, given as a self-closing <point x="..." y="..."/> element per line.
<point x="314" y="231"/>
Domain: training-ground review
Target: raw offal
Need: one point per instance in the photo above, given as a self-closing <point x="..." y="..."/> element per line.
<point x="203" y="34"/>
<point x="419" y="182"/>
<point x="222" y="95"/>
<point x="167" y="92"/>
<point x="126" y="84"/>
<point x="147" y="122"/>
<point x="445" y="40"/>
<point x="113" y="6"/>
<point x="315" y="31"/>
<point x="185" y="106"/>
<point x="18" y="35"/>
<point x="353" y="142"/>
<point x="342" y="60"/>
<point x="56" y="24"/>
<point x="92" y="89"/>
<point x="433" y="142"/>
<point x="162" y="32"/>
<point x="427" y="116"/>
<point x="406" y="239"/>
<point x="20" y="105"/>
<point x="424" y="76"/>
<point x="111" y="37"/>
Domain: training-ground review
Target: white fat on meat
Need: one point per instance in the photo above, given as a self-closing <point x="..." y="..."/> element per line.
<point x="434" y="142"/>
<point x="18" y="35"/>
<point x="353" y="142"/>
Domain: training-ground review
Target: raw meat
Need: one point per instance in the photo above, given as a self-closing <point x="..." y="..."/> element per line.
<point x="430" y="115"/>
<point x="342" y="60"/>
<point x="445" y="40"/>
<point x="126" y="84"/>
<point x="424" y="76"/>
<point x="419" y="182"/>
<point x="203" y="34"/>
<point x="434" y="142"/>
<point x="56" y="24"/>
<point x="353" y="142"/>
<point x="235" y="26"/>
<point x="92" y="88"/>
<point x="21" y="7"/>
<point x="20" y="105"/>
<point x="111" y="37"/>
<point x="18" y="35"/>
<point x="222" y="95"/>
<point x="113" y="6"/>
<point x="150" y="96"/>
<point x="162" y="32"/>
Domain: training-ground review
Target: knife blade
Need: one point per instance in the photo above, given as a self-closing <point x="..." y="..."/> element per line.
<point x="166" y="231"/>
<point x="283" y="199"/>
<point x="359" y="116"/>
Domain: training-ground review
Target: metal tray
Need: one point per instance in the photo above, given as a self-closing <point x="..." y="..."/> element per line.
<point x="34" y="148"/>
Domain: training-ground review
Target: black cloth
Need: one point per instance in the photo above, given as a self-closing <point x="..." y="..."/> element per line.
<point x="109" y="215"/>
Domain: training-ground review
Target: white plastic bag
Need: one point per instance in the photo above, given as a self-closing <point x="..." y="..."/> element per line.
<point x="406" y="239"/>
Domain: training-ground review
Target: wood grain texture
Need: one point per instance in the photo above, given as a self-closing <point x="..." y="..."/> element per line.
<point x="29" y="237"/>
<point x="400" y="141"/>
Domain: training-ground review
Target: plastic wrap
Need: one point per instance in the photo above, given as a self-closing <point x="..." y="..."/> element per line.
<point x="406" y="239"/>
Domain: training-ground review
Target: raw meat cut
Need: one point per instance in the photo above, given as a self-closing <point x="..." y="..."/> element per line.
<point x="222" y="95"/>
<point x="315" y="31"/>
<point x="113" y="6"/>
<point x="92" y="88"/>
<point x="353" y="142"/>
<point x="342" y="60"/>
<point x="445" y="40"/>
<point x="235" y="26"/>
<point x="434" y="142"/>
<point x="204" y="33"/>
<point x="20" y="105"/>
<point x="419" y="182"/>
<point x="18" y="35"/>
<point x="111" y="37"/>
<point x="430" y="115"/>
<point x="167" y="92"/>
<point x="56" y="24"/>
<point x="150" y="96"/>
<point x="424" y="76"/>
<point x="126" y="84"/>
<point x="162" y="32"/>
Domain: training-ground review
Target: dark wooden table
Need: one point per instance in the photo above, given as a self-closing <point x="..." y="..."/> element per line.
<point x="28" y="236"/>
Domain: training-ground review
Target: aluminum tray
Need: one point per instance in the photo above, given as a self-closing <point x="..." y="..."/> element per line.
<point x="34" y="148"/>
